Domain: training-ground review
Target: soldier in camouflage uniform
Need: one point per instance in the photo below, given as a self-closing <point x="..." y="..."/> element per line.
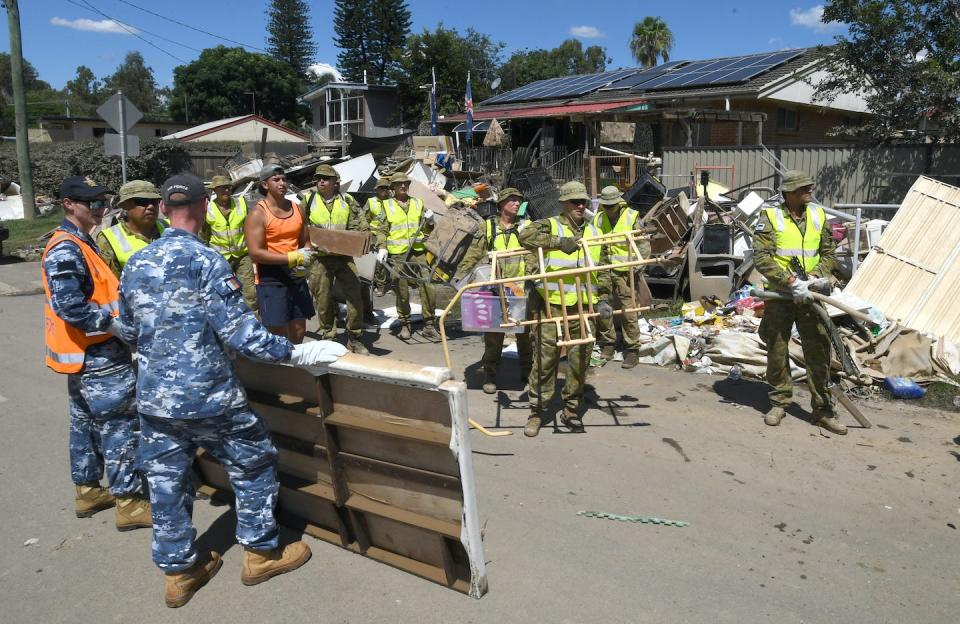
<point x="796" y="229"/>
<point x="501" y="233"/>
<point x="559" y="238"/>
<point x="325" y="207"/>
<point x="186" y="314"/>
<point x="223" y="230"/>
<point x="617" y="216"/>
<point x="80" y="331"/>
<point x="139" y="225"/>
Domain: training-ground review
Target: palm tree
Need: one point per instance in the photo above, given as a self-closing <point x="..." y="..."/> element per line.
<point x="651" y="39"/>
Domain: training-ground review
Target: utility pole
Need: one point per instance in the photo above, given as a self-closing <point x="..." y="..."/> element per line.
<point x="20" y="107"/>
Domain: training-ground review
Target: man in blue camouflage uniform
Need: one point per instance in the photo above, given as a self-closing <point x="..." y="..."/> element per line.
<point x="185" y="307"/>
<point x="103" y="420"/>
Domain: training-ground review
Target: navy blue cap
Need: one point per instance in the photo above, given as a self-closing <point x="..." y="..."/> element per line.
<point x="82" y="188"/>
<point x="183" y="189"/>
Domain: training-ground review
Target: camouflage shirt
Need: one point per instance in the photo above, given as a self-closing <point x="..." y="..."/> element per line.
<point x="68" y="277"/>
<point x="185" y="307"/>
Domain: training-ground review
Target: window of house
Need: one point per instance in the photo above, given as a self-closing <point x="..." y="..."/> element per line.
<point x="344" y="115"/>
<point x="788" y="120"/>
<point x="159" y="132"/>
<point x="99" y="132"/>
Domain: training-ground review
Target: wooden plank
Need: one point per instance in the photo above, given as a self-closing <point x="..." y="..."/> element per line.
<point x="429" y="572"/>
<point x="406" y="428"/>
<point x="403" y="516"/>
<point x="419" y="404"/>
<point x="316" y="469"/>
<point x="289" y="415"/>
<point x="273" y="379"/>
<point x="411" y="453"/>
<point x="416" y="491"/>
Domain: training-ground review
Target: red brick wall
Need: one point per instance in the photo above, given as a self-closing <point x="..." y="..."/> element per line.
<point x="813" y="122"/>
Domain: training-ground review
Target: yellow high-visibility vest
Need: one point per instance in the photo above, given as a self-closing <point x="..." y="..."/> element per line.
<point x="375" y="211"/>
<point x="326" y="218"/>
<point x="563" y="290"/>
<point x="501" y="240"/>
<point x="404" y="225"/>
<point x="124" y="244"/>
<point x="226" y="231"/>
<point x="791" y="242"/>
<point x="628" y="217"/>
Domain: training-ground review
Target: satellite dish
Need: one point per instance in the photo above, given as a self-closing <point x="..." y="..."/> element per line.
<point x="495" y="83"/>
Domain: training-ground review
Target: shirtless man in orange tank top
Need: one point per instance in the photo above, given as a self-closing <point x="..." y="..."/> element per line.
<point x="278" y="245"/>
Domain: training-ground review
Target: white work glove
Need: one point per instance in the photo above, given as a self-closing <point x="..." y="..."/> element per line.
<point x="382" y="256"/>
<point x="316" y="352"/>
<point x="115" y="328"/>
<point x="800" y="289"/>
<point x="428" y="215"/>
<point x="821" y="285"/>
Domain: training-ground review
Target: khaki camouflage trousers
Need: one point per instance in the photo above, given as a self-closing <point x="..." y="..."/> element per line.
<point x="778" y="320"/>
<point x="622" y="298"/>
<point x="546" y="361"/>
<point x="323" y="272"/>
<point x="243" y="269"/>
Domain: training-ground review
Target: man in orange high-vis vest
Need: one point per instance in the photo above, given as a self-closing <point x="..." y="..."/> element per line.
<point x="81" y="332"/>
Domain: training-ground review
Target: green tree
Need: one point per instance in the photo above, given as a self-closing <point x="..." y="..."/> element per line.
<point x="219" y="83"/>
<point x="452" y="55"/>
<point x="651" y="40"/>
<point x="135" y="79"/>
<point x="569" y="58"/>
<point x="84" y="92"/>
<point x="42" y="99"/>
<point x="31" y="80"/>
<point x="905" y="55"/>
<point x="371" y="35"/>
<point x="289" y="35"/>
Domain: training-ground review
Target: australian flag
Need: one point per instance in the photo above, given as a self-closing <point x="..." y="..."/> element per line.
<point x="468" y="103"/>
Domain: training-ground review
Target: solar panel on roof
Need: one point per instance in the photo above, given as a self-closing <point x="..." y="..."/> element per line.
<point x="641" y="77"/>
<point x="565" y="86"/>
<point x="719" y="71"/>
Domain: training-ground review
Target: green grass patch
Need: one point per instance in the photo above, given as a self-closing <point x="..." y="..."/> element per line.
<point x="24" y="233"/>
<point x="941" y="396"/>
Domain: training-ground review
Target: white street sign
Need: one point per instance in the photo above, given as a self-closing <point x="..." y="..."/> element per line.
<point x="119" y="120"/>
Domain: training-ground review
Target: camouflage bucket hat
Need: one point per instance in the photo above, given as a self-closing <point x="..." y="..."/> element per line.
<point x="509" y="192"/>
<point x="397" y="178"/>
<point x="135" y="189"/>
<point x="326" y="171"/>
<point x="610" y="196"/>
<point x="217" y="181"/>
<point x="795" y="179"/>
<point x="574" y="191"/>
<point x="383" y="183"/>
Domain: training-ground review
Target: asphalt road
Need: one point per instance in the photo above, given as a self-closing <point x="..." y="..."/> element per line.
<point x="786" y="524"/>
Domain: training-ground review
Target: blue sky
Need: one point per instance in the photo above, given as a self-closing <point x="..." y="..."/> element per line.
<point x="59" y="35"/>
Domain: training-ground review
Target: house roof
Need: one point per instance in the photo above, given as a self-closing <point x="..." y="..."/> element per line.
<point x="538" y="109"/>
<point x="806" y="58"/>
<point x="350" y="86"/>
<point x="222" y="124"/>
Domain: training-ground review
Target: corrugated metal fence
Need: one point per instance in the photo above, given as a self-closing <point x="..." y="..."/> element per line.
<point x="844" y="174"/>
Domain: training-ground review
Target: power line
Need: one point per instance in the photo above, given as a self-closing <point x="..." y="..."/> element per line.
<point x="126" y="28"/>
<point x="139" y="29"/>
<point x="170" y="19"/>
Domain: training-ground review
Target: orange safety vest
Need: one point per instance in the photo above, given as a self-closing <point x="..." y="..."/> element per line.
<point x="66" y="344"/>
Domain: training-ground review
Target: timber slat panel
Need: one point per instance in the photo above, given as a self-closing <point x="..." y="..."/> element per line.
<point x="406" y="428"/>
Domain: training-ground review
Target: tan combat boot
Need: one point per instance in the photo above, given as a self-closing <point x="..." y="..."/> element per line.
<point x="91" y="498"/>
<point x="132" y="513"/>
<point x="262" y="565"/>
<point x="774" y="416"/>
<point x="405" y="333"/>
<point x="830" y="423"/>
<point x="571" y="420"/>
<point x="607" y="352"/>
<point x="532" y="427"/>
<point x="355" y="345"/>
<point x="489" y="382"/>
<point x="179" y="587"/>
<point x="630" y="359"/>
<point x="430" y="332"/>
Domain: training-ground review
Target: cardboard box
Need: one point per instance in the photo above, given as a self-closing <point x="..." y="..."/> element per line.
<point x="340" y="242"/>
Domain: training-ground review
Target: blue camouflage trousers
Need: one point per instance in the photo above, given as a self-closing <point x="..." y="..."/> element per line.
<point x="104" y="429"/>
<point x="242" y="444"/>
